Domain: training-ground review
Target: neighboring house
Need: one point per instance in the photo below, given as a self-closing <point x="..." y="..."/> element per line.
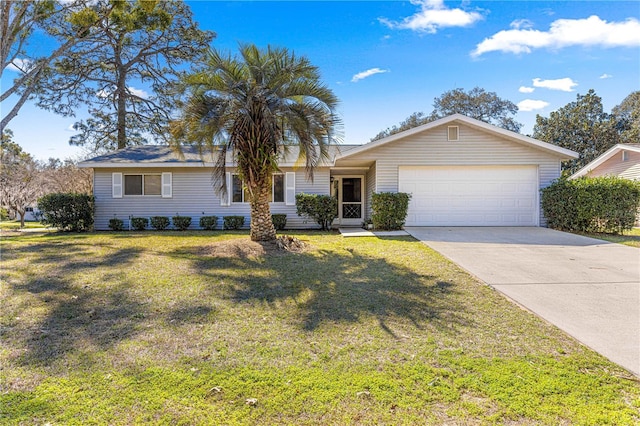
<point x="621" y="160"/>
<point x="459" y="171"/>
<point x="32" y="214"/>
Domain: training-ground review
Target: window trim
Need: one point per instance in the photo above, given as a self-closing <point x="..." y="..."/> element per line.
<point x="124" y="186"/>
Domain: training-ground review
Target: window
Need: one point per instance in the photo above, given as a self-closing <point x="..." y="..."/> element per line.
<point x="625" y="155"/>
<point x="143" y="184"/>
<point x="278" y="188"/>
<point x="240" y="194"/>
<point x="452" y="133"/>
<point x="29" y="209"/>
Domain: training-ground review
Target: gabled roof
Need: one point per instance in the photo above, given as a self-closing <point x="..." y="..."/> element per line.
<point x="164" y="156"/>
<point x="471" y="122"/>
<point x="634" y="147"/>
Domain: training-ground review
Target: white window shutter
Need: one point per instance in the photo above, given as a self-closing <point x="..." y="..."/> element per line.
<point x="167" y="189"/>
<point x="225" y="199"/>
<point x="290" y="185"/>
<point x="116" y="185"/>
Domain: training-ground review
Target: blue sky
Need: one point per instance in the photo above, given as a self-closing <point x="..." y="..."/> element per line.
<point x="388" y="59"/>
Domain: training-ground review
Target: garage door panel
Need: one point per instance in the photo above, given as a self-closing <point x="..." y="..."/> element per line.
<point x="471" y="195"/>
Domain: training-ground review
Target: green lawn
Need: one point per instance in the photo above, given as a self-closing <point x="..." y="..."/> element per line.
<point x="200" y="328"/>
<point x="629" y="238"/>
<point x="15" y="225"/>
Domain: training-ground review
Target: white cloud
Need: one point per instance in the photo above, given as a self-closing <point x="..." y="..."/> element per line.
<point x="591" y="31"/>
<point x="605" y="75"/>
<point x="520" y="24"/>
<point x="138" y="92"/>
<point x="20" y="65"/>
<point x="525" y="89"/>
<point x="367" y="73"/>
<point x="532" y="105"/>
<point x="433" y="15"/>
<point x="563" y="84"/>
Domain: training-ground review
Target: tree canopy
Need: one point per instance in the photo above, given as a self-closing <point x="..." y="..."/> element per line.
<point x="23" y="27"/>
<point x="253" y="106"/>
<point x="582" y="126"/>
<point x="476" y="103"/>
<point x="628" y="116"/>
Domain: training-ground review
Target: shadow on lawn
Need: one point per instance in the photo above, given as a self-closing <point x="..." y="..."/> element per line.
<point x="78" y="315"/>
<point x="335" y="286"/>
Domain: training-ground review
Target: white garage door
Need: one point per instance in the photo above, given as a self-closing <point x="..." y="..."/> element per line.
<point x="471" y="195"/>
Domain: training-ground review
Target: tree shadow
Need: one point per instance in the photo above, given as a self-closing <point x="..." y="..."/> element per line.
<point x="77" y="316"/>
<point x="335" y="286"/>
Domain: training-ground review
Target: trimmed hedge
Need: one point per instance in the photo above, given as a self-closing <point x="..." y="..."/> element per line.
<point x="389" y="209"/>
<point x="233" y="222"/>
<point x="279" y="221"/>
<point x="67" y="212"/>
<point x="323" y="209"/>
<point x="159" y="223"/>
<point x="116" y="224"/>
<point x="208" y="222"/>
<point x="591" y="204"/>
<point x="139" y="223"/>
<point x="181" y="223"/>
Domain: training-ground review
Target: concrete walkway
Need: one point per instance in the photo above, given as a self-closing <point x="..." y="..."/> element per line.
<point x="589" y="288"/>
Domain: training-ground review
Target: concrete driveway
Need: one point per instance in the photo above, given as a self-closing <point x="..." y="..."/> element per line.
<point x="589" y="288"/>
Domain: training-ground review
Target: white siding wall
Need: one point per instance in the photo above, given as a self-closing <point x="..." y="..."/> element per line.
<point x="614" y="166"/>
<point x="474" y="147"/>
<point x="371" y="188"/>
<point x="194" y="195"/>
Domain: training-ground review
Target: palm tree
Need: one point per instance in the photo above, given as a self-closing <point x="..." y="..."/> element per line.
<point x="255" y="106"/>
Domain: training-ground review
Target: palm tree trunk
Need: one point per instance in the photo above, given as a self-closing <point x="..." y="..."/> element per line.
<point x="262" y="228"/>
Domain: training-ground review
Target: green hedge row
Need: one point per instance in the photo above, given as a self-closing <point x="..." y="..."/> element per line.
<point x="600" y="204"/>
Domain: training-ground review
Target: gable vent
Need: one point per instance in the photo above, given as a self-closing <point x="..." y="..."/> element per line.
<point x="452" y="133"/>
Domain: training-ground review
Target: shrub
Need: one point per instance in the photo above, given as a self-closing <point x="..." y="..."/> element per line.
<point x="67" y="212"/>
<point x="181" y="223"/>
<point x="116" y="224"/>
<point x="139" y="223"/>
<point x="208" y="222"/>
<point x="279" y="221"/>
<point x="233" y="222"/>
<point x="323" y="209"/>
<point x="600" y="204"/>
<point x="389" y="209"/>
<point x="4" y="214"/>
<point x="159" y="223"/>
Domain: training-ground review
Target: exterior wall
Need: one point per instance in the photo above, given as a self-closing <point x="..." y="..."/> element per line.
<point x="614" y="166"/>
<point x="474" y="147"/>
<point x="194" y="195"/>
<point x="371" y="188"/>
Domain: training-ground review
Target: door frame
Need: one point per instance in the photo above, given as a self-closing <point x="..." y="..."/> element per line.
<point x="336" y="191"/>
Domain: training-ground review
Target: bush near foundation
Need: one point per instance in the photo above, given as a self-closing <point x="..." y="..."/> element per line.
<point x="389" y="210"/>
<point x="591" y="204"/>
<point x="323" y="209"/>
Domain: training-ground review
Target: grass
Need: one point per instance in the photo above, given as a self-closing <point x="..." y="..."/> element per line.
<point x="152" y="328"/>
<point x="629" y="238"/>
<point x="15" y="225"/>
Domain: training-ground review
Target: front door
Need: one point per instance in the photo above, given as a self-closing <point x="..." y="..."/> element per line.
<point x="350" y="196"/>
